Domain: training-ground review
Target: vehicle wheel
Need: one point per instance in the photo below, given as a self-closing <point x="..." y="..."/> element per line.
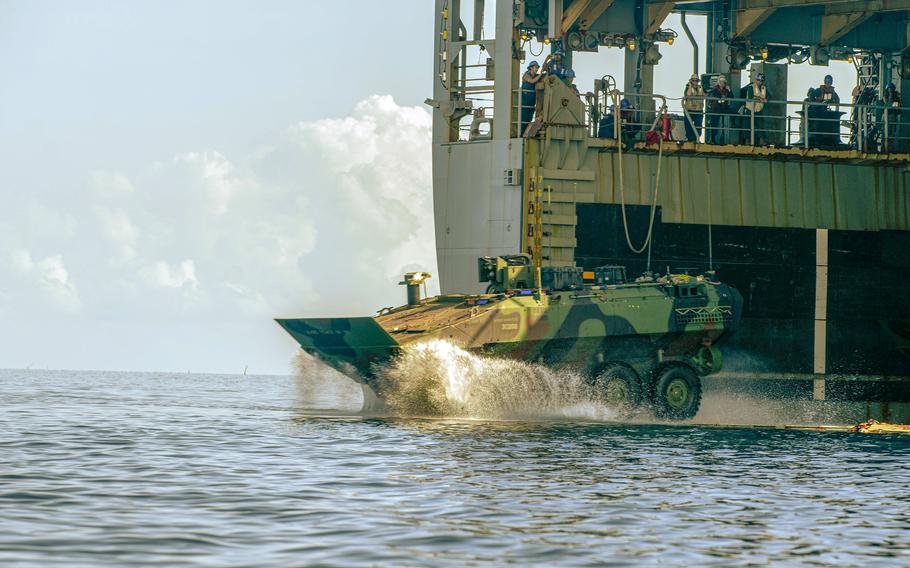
<point x="619" y="385"/>
<point x="707" y="360"/>
<point x="677" y="393"/>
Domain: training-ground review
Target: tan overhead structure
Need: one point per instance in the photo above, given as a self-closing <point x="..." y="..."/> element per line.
<point x="842" y="17"/>
<point x="836" y="6"/>
<point x="584" y="12"/>
<point x="835" y="26"/>
<point x="839" y="18"/>
<point x="748" y="20"/>
<point x="657" y="13"/>
<point x="874" y="6"/>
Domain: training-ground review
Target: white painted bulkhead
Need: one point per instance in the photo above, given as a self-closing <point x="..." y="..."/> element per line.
<point x="477" y="211"/>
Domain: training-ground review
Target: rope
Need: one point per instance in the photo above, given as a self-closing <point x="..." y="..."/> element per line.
<point x="622" y="193"/>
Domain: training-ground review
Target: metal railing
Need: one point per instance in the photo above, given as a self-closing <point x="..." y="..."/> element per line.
<point x="869" y="128"/>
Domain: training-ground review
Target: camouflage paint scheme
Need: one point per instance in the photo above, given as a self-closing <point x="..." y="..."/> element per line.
<point x="643" y="325"/>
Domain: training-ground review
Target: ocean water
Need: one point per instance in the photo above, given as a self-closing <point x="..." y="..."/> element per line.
<point x="169" y="469"/>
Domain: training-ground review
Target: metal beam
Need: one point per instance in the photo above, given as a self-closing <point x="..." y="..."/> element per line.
<point x="592" y="11"/>
<point x="748" y="20"/>
<point x="835" y="26"/>
<point x="657" y="13"/>
<point x="554" y="25"/>
<point x="572" y="13"/>
<point x="871" y="7"/>
<point x="833" y="6"/>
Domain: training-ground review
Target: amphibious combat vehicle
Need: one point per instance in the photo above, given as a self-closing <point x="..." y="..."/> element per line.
<point x="648" y="340"/>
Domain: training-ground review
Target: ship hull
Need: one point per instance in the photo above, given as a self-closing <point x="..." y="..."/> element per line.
<point x="864" y="331"/>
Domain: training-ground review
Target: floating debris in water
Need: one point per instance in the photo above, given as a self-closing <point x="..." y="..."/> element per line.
<point x="873" y="426"/>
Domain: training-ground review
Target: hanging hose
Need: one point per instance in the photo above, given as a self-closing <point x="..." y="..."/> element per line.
<point x="531" y="51"/>
<point x="622" y="193"/>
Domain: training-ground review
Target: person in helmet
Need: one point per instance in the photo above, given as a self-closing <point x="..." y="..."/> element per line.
<point x="570" y="80"/>
<point x="718" y="112"/>
<point x="863" y="126"/>
<point x="824" y="122"/>
<point x="528" y="93"/>
<point x="628" y="129"/>
<point x="826" y="93"/>
<point x="756" y="95"/>
<point x="891" y="96"/>
<point x="808" y="126"/>
<point x="553" y="65"/>
<point x="694" y="103"/>
<point x="891" y="119"/>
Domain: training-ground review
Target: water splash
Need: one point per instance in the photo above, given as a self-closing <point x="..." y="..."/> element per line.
<point x="439" y="379"/>
<point x="322" y="388"/>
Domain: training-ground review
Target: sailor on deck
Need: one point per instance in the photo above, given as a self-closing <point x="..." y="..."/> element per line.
<point x="756" y="95"/>
<point x="891" y="103"/>
<point x="694" y="105"/>
<point x="570" y="80"/>
<point x="719" y="112"/>
<point x="528" y="93"/>
<point x="826" y="93"/>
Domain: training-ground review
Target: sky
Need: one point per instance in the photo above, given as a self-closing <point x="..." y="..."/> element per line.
<point x="177" y="174"/>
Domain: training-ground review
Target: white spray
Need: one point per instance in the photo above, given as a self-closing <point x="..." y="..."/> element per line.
<point x="439" y="379"/>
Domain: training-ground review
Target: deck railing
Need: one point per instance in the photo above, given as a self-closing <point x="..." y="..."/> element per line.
<point x="869" y="128"/>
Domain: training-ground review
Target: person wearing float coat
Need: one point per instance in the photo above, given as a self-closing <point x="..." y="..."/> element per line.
<point x="756" y="95"/>
<point x="528" y="93"/>
<point x="694" y="108"/>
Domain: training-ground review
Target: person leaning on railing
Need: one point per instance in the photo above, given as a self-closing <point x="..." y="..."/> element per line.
<point x="694" y="105"/>
<point x="863" y="130"/>
<point x="628" y="128"/>
<point x="891" y="103"/>
<point x="824" y="123"/>
<point x="810" y="114"/>
<point x="826" y="93"/>
<point x="718" y="112"/>
<point x="756" y="95"/>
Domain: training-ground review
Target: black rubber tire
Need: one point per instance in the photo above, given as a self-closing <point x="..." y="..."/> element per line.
<point x="676" y="393"/>
<point x="614" y="380"/>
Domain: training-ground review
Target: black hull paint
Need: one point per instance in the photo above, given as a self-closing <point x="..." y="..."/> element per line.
<point x="868" y="307"/>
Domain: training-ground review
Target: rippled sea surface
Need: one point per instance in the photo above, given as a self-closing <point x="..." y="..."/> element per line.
<point x="131" y="469"/>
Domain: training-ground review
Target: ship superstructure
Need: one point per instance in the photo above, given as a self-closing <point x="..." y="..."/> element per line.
<point x="802" y="205"/>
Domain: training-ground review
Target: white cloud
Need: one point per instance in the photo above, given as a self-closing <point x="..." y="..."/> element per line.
<point x="164" y="275"/>
<point x="49" y="222"/>
<point x="49" y="277"/>
<point x="379" y="160"/>
<point x="109" y="185"/>
<point x="323" y="220"/>
<point x="115" y="224"/>
<point x="21" y="261"/>
<point x="215" y="180"/>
